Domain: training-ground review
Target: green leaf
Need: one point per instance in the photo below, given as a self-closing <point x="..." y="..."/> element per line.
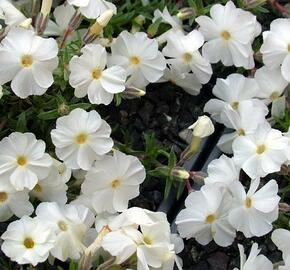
<point x="180" y="190"/>
<point x="168" y="186"/>
<point x="172" y="159"/>
<point x="21" y="125"/>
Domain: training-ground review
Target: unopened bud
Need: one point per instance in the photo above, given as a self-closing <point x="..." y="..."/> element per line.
<point x="192" y="149"/>
<point x="180" y="173"/>
<point x="63" y="109"/>
<point x="186" y="13"/>
<point x="26" y="24"/>
<point x="203" y="127"/>
<point x="98" y="26"/>
<point x="137" y="23"/>
<point x="133" y="92"/>
<point x="46" y="7"/>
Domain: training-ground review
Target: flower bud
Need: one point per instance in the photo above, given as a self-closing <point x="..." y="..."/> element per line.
<point x="186" y="13"/>
<point x="180" y="173"/>
<point x="63" y="109"/>
<point x="46" y="7"/>
<point x="26" y="24"/>
<point x="98" y="26"/>
<point x="203" y="127"/>
<point x="192" y="149"/>
<point x="133" y="92"/>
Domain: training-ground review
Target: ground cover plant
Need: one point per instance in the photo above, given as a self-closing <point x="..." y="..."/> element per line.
<point x="145" y="134"/>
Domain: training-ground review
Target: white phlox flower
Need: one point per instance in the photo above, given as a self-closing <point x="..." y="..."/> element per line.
<point x="151" y="243"/>
<point x="187" y="81"/>
<point x="261" y="152"/>
<point x="271" y="83"/>
<point x="276" y="46"/>
<point x="238" y="119"/>
<point x="23" y="160"/>
<point x="62" y="15"/>
<point x="254" y="260"/>
<point x="205" y="216"/>
<point x="10" y="14"/>
<point x="13" y="202"/>
<point x="183" y="52"/>
<point x="89" y="75"/>
<point x="229" y="33"/>
<point x="253" y="212"/>
<point x="92" y="9"/>
<point x="281" y="238"/>
<point x="51" y="189"/>
<point x="28" y="61"/>
<point x="80" y="138"/>
<point x="110" y="190"/>
<point x="222" y="170"/>
<point x="231" y="91"/>
<point x="173" y="21"/>
<point x="27" y="241"/>
<point x="70" y="223"/>
<point x="139" y="56"/>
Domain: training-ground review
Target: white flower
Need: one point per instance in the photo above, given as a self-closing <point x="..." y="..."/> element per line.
<point x="27" y="241"/>
<point x="287" y="150"/>
<point x="231" y="91"/>
<point x="183" y="52"/>
<point x="63" y="171"/>
<point x="80" y="138"/>
<point x="28" y="61"/>
<point x="13" y="202"/>
<point x="173" y="21"/>
<point x="70" y="223"/>
<point x="206" y="216"/>
<point x="254" y="261"/>
<point x="89" y="75"/>
<point x="103" y="219"/>
<point x="276" y="46"/>
<point x="152" y="243"/>
<point x="281" y="239"/>
<point x="139" y="56"/>
<point x="271" y="83"/>
<point x="261" y="152"/>
<point x="92" y="9"/>
<point x="10" y="14"/>
<point x="202" y="127"/>
<point x="110" y="190"/>
<point x="51" y="189"/>
<point x="238" y="119"/>
<point x="1" y="91"/>
<point x="253" y="212"/>
<point x="187" y="81"/>
<point x="229" y="34"/>
<point x="62" y="14"/>
<point x="23" y="160"/>
<point x="222" y="170"/>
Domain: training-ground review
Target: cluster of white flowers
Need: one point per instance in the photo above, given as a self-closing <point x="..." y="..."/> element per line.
<point x="225" y="205"/>
<point x="63" y="229"/>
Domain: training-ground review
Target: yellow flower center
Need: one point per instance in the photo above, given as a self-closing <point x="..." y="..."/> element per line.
<point x="274" y="95"/>
<point x="37" y="188"/>
<point x="81" y="138"/>
<point x="187" y="57"/>
<point x="248" y="202"/>
<point x="241" y="132"/>
<point x="96" y="73"/>
<point x="135" y="60"/>
<point x="26" y="61"/>
<point x="3" y="197"/>
<point x="147" y="240"/>
<point x="62" y="225"/>
<point x="235" y="105"/>
<point x="210" y="219"/>
<point x="21" y="160"/>
<point x="115" y="183"/>
<point x="225" y="35"/>
<point x="261" y="149"/>
<point x="28" y="242"/>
